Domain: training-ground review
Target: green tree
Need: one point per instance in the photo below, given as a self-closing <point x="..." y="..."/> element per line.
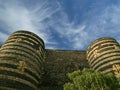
<point x="88" y="79"/>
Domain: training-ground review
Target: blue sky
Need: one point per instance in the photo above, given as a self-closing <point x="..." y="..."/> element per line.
<point x="62" y="24"/>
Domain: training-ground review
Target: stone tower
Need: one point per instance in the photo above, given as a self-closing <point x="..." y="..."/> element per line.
<point x="21" y="58"/>
<point x="104" y="54"/>
<point x="25" y="63"/>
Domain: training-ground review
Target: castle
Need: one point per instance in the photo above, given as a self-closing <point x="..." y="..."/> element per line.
<point x="25" y="64"/>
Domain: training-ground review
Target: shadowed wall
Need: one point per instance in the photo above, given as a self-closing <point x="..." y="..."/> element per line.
<point x="26" y="65"/>
<point x="60" y="62"/>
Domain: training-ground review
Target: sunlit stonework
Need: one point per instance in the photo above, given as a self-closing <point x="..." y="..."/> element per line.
<point x="116" y="69"/>
<point x="25" y="64"/>
<point x="104" y="55"/>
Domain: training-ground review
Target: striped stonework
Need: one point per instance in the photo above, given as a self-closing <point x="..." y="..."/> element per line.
<point x="21" y="58"/>
<point x="104" y="54"/>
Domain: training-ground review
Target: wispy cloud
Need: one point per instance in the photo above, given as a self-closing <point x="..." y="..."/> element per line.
<point x="48" y="19"/>
<point x="104" y="22"/>
<point x="98" y="22"/>
<point x="3" y="36"/>
<point x="16" y="15"/>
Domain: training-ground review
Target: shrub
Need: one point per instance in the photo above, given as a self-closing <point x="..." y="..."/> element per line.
<point x="88" y="79"/>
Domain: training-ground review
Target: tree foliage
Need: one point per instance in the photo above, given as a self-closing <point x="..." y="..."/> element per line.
<point x="91" y="80"/>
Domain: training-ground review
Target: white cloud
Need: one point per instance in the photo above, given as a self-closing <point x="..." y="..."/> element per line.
<point x="96" y="24"/>
<point x="75" y="35"/>
<point x="16" y="16"/>
<point x="3" y="36"/>
<point x="46" y="14"/>
<point x="105" y="23"/>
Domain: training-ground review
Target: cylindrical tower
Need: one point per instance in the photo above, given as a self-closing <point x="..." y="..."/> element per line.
<point x="104" y="55"/>
<point x="21" y="58"/>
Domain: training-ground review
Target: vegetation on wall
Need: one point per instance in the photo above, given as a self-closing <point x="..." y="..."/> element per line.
<point x="88" y="79"/>
<point x="60" y="62"/>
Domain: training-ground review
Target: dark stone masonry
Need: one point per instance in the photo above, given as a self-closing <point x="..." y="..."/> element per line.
<point x="25" y="64"/>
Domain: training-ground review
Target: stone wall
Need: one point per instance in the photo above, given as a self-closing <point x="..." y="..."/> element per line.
<point x="25" y="64"/>
<point x="21" y="60"/>
<point x="60" y="62"/>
